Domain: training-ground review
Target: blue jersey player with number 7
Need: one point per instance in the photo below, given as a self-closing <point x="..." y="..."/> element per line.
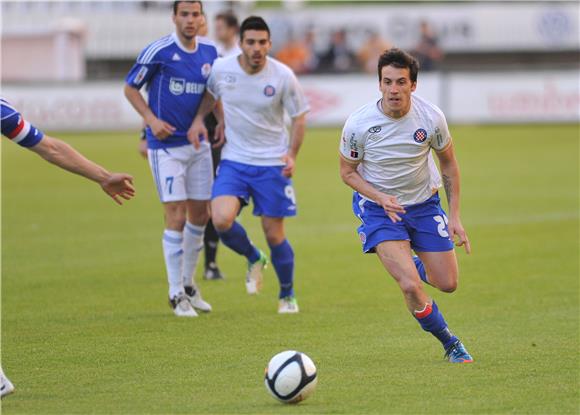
<point x="258" y="157"/>
<point x="385" y="156"/>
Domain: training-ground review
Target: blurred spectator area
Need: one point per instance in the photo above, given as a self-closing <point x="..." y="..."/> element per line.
<point x="317" y="38"/>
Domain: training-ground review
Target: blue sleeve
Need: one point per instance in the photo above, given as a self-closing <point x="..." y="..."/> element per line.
<point x="147" y="65"/>
<point x="16" y="128"/>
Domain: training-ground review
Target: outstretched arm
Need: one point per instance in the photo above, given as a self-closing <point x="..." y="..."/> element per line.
<point x="297" y="131"/>
<point x="55" y="151"/>
<point x="451" y="183"/>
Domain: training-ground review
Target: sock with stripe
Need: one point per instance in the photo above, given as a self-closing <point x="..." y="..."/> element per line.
<point x="173" y="253"/>
<point x="283" y="261"/>
<point x="237" y="240"/>
<point x="192" y="246"/>
<point x="431" y="320"/>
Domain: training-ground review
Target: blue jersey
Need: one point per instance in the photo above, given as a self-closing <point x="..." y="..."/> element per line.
<point x="16" y="128"/>
<point x="176" y="80"/>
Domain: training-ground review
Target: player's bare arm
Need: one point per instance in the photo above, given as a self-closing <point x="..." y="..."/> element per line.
<point x="451" y="183"/>
<point x="297" y="131"/>
<point x="352" y="178"/>
<point x="198" y="131"/>
<point x="117" y="185"/>
<point x="159" y="128"/>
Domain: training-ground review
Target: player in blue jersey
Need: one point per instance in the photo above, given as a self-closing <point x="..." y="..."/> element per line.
<point x="258" y="159"/>
<point x="175" y="70"/>
<point x="117" y="185"/>
<point x="385" y="156"/>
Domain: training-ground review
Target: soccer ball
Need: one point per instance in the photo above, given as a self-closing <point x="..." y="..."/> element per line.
<point x="291" y="377"/>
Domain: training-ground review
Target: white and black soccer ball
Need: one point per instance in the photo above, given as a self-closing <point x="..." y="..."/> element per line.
<point x="291" y="377"/>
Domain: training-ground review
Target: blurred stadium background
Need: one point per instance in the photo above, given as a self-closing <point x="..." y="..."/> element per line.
<point x="484" y="62"/>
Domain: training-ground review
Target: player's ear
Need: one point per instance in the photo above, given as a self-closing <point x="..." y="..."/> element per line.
<point x="413" y="86"/>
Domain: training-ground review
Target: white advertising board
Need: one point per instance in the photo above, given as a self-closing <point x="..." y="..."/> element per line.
<point x="526" y="97"/>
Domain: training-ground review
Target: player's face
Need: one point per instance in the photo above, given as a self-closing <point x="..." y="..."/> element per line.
<point x="396" y="87"/>
<point x="223" y="33"/>
<point x="188" y="19"/>
<point x="255" y="46"/>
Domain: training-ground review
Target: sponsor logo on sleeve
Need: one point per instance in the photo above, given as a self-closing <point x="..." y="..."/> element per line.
<point x="420" y="135"/>
<point x="439" y="136"/>
<point x="140" y="75"/>
<point x="363" y="237"/>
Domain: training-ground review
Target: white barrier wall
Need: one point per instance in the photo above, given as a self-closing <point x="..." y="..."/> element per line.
<point x="523" y="97"/>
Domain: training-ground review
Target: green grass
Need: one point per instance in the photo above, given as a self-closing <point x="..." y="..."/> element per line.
<point x="86" y="327"/>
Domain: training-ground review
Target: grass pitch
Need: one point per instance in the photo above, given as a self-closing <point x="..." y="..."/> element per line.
<point x="86" y="327"/>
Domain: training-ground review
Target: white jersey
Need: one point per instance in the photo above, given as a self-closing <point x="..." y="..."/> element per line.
<point x="254" y="107"/>
<point x="395" y="154"/>
<point x="224" y="52"/>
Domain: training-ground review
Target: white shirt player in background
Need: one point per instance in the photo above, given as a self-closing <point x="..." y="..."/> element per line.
<point x="258" y="157"/>
<point x="226" y="34"/>
<point x="385" y="156"/>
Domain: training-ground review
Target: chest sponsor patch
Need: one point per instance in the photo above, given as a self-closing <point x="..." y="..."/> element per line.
<point x="420" y="135"/>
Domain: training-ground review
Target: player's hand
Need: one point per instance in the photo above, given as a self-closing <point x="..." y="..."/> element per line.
<point x="455" y="228"/>
<point x="196" y="133"/>
<point x="119" y="185"/>
<point x="219" y="135"/>
<point x="289" y="165"/>
<point x="161" y="129"/>
<point x="391" y="206"/>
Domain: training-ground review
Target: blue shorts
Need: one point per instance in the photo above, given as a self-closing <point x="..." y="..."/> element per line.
<point x="423" y="224"/>
<point x="271" y="192"/>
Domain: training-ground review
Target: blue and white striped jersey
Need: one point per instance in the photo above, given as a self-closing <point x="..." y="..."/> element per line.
<point x="16" y="128"/>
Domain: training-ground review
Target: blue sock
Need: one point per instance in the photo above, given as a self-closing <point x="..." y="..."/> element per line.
<point x="283" y="260"/>
<point x="237" y="240"/>
<point x="421" y="269"/>
<point x="432" y="320"/>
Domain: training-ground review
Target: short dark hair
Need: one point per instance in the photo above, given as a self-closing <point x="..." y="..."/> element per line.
<point x="176" y="4"/>
<point x="254" y="23"/>
<point x="399" y="59"/>
<point x="229" y="19"/>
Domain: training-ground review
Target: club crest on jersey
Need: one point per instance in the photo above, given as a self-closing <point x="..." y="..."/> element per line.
<point x="363" y="237"/>
<point x="205" y="70"/>
<point x="177" y="86"/>
<point x="269" y="90"/>
<point x="420" y="135"/>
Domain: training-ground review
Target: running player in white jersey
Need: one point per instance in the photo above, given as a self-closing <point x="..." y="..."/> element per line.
<point x="386" y="158"/>
<point x="258" y="158"/>
<point x="117" y="185"/>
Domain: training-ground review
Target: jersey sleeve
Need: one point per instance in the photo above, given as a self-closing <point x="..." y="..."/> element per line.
<point x="352" y="142"/>
<point x="16" y="128"/>
<point x="293" y="98"/>
<point x="148" y="63"/>
<point x="441" y="138"/>
<point x="212" y="83"/>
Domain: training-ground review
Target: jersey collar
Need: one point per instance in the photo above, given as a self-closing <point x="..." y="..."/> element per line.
<point x="180" y="45"/>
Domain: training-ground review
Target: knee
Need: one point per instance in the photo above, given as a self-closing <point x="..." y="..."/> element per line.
<point x="448" y="286"/>
<point x="274" y="239"/>
<point x="410" y="288"/>
<point x="175" y="219"/>
<point x="221" y="222"/>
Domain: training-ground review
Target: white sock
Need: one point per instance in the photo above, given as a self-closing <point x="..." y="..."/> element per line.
<point x="192" y="246"/>
<point x="173" y="253"/>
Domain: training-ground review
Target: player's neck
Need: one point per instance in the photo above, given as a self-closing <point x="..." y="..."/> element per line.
<point x="187" y="43"/>
<point x="395" y="114"/>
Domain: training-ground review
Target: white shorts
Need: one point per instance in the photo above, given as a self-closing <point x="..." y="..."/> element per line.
<point x="182" y="173"/>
